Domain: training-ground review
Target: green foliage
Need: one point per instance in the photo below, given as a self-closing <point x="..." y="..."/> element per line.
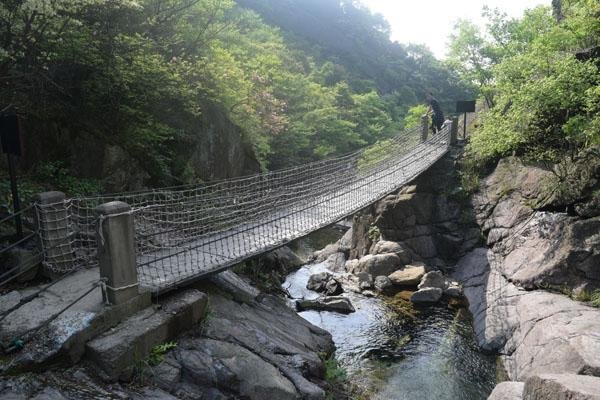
<point x="414" y="116"/>
<point x="56" y="175"/>
<point x="595" y="299"/>
<point x="334" y="373"/>
<point x="157" y="354"/>
<point x="374" y="233"/>
<point x="592" y="298"/>
<point x="147" y="76"/>
<point x="543" y="101"/>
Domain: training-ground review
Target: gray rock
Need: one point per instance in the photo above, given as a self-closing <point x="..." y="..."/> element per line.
<point x="383" y="284"/>
<point x="232" y="367"/>
<point x="117" y="350"/>
<point x="453" y="290"/>
<point x="507" y="391"/>
<point x="274" y="332"/>
<point x="336" y="304"/>
<point x="345" y="241"/>
<point x="49" y="393"/>
<point x="409" y="276"/>
<point x="9" y="300"/>
<point x="337" y="262"/>
<point x="317" y="282"/>
<point x="351" y="266"/>
<point x="152" y="394"/>
<point x="365" y="281"/>
<point x="233" y="284"/>
<point x="333" y="287"/>
<point x="427" y="295"/>
<point x="424" y="246"/>
<point x="562" y="386"/>
<point x="536" y="331"/>
<point x="385" y="247"/>
<point x="433" y="279"/>
<point x="282" y="259"/>
<point x="324" y="254"/>
<point x="380" y="264"/>
<point x="167" y="374"/>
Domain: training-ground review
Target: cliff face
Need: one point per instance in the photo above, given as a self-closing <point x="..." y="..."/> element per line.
<point x="536" y="248"/>
<point x="426" y="217"/>
<point x="520" y="250"/>
<point x="214" y="149"/>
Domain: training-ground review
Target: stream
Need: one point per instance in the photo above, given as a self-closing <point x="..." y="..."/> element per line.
<point x="395" y="351"/>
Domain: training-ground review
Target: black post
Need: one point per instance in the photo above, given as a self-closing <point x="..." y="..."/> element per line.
<point x="465" y="127"/>
<point x="15" y="195"/>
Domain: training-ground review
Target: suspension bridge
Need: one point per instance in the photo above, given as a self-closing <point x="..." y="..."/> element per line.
<point x="185" y="233"/>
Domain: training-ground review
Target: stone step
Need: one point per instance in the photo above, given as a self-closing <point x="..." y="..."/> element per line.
<point x="53" y="333"/>
<point x="117" y="351"/>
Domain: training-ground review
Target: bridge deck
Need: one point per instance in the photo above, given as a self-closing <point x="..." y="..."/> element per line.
<point x="169" y="267"/>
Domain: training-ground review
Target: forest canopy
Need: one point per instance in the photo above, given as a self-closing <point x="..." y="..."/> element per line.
<point x="540" y="77"/>
<point x="154" y="78"/>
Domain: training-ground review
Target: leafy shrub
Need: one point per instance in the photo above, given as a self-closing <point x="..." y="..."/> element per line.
<point x="333" y="371"/>
<point x="57" y="176"/>
<point x="157" y="354"/>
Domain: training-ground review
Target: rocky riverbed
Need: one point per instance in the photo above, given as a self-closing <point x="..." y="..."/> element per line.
<point x="391" y="349"/>
<point x="528" y="262"/>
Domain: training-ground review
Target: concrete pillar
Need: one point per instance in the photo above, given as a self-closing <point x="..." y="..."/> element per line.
<point x="116" y="251"/>
<point x="53" y="224"/>
<point x="424" y="127"/>
<point x="454" y="131"/>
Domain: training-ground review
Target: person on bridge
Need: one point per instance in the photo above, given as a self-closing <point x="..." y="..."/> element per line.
<point x="437" y="116"/>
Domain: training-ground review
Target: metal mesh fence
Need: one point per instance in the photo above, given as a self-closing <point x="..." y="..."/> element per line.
<point x="186" y="232"/>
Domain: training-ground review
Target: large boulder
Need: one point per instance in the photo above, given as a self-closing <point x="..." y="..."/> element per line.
<point x="536" y="249"/>
<point x="324" y="282"/>
<point x="507" y="391"/>
<point x="365" y="280"/>
<point x="427" y="295"/>
<point x="409" y="276"/>
<point x="225" y="365"/>
<point x="333" y="287"/>
<point x="386" y="247"/>
<point x="317" y="282"/>
<point x="534" y="331"/>
<point x="325" y="253"/>
<point x="383" y="284"/>
<point x="337" y="262"/>
<point x="269" y="328"/>
<point x="335" y="304"/>
<point x="376" y="265"/>
<point x="562" y="386"/>
<point x="433" y="279"/>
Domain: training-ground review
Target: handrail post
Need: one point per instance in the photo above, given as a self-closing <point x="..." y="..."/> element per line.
<point x="424" y="128"/>
<point x="454" y="131"/>
<point x="52" y="219"/>
<point x="116" y="251"/>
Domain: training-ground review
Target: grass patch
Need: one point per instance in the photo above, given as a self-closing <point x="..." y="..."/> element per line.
<point x="143" y="367"/>
<point x="157" y="355"/>
<point x="592" y="298"/>
<point x="333" y="371"/>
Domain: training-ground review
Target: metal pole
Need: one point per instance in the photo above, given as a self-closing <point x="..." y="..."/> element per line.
<point x="15" y="195"/>
<point x="465" y="127"/>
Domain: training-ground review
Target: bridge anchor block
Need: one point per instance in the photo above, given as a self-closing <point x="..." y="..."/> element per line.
<point x="116" y="251"/>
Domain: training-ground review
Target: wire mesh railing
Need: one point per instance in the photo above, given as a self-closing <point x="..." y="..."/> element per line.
<point x="19" y="244"/>
<point x="186" y="232"/>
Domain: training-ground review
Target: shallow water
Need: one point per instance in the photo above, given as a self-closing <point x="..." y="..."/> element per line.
<point x="403" y="353"/>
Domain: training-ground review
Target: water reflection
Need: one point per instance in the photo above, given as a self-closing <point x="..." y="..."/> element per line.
<point x="404" y="354"/>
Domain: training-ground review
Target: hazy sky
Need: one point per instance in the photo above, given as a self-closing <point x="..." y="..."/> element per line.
<point x="431" y="21"/>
